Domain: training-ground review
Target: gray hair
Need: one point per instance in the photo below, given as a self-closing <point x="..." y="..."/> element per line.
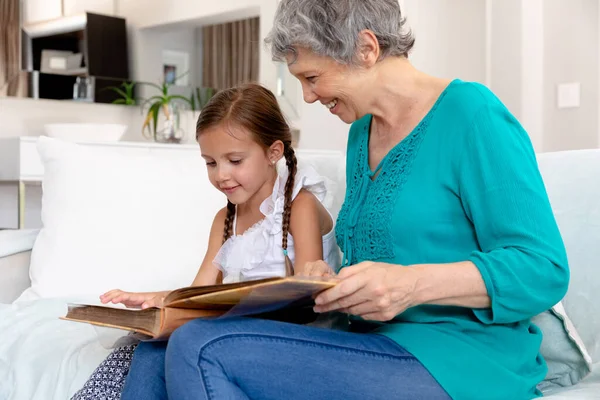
<point x="331" y="28"/>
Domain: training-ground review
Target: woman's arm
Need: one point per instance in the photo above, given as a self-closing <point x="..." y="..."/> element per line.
<point x="457" y="284"/>
<point x="308" y="221"/>
<point x="209" y="274"/>
<point x="520" y="268"/>
<point x="380" y="291"/>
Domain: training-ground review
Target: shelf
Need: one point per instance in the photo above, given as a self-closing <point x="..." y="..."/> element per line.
<point x="71" y="72"/>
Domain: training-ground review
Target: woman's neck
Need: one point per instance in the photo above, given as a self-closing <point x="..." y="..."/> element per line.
<point x="403" y="96"/>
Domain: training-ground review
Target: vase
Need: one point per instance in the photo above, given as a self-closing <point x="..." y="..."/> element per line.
<point x="169" y="124"/>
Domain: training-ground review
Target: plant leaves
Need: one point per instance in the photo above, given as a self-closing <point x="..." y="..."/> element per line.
<point x="178" y="97"/>
<point x="154" y="109"/>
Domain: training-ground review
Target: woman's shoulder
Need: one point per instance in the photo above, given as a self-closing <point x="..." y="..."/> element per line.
<point x="483" y="121"/>
<point x="465" y="99"/>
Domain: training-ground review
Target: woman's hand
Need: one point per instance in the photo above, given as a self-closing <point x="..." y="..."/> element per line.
<point x="315" y="268"/>
<point x="134" y="300"/>
<point x="373" y="291"/>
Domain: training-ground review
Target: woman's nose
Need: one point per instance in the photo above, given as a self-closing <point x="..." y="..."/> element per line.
<point x="308" y="94"/>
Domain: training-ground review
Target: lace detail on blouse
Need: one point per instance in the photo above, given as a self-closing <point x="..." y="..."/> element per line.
<point x="363" y="228"/>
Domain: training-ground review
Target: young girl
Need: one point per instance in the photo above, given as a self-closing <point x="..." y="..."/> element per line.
<point x="273" y="224"/>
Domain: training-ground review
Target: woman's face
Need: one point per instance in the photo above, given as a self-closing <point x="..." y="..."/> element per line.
<point x="341" y="88"/>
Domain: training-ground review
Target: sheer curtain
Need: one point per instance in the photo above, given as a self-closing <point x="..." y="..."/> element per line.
<point x="12" y="79"/>
<point x="230" y="53"/>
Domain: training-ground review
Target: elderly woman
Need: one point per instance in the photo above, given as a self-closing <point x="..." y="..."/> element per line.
<point x="450" y="245"/>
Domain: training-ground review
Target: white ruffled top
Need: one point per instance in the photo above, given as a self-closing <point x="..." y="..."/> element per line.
<point x="257" y="253"/>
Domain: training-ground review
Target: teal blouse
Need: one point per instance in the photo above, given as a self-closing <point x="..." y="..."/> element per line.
<point x="464" y="185"/>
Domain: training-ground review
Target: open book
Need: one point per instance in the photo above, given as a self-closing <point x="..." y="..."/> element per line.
<point x="279" y="297"/>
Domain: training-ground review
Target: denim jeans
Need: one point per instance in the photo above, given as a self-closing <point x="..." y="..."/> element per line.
<point x="246" y="358"/>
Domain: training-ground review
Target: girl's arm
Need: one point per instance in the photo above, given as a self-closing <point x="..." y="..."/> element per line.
<point x="209" y="274"/>
<point x="309" y="221"/>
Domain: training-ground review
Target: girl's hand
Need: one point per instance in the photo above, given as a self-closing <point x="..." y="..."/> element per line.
<point x="373" y="291"/>
<point x="134" y="300"/>
<point x="315" y="268"/>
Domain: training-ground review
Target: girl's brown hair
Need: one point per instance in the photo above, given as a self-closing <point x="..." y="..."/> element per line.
<point x="254" y="108"/>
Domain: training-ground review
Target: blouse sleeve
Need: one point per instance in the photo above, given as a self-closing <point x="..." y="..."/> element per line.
<point x="521" y="255"/>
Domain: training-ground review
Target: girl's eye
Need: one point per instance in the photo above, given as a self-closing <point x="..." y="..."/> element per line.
<point x="210" y="163"/>
<point x="235" y="162"/>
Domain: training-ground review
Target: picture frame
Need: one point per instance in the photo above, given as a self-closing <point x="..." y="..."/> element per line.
<point x="175" y="64"/>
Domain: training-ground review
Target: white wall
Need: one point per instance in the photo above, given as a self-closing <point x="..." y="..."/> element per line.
<point x="450" y="37"/>
<point x="571" y="55"/>
<point x="505" y="53"/>
<point x="154" y="42"/>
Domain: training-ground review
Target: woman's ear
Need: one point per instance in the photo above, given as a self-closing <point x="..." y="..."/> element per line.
<point x="368" y="49"/>
<point x="275" y="151"/>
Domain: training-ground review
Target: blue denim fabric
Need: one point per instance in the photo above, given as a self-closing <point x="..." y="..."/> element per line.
<point x="245" y="358"/>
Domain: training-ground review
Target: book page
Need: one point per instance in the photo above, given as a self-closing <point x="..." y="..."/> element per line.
<point x="259" y="296"/>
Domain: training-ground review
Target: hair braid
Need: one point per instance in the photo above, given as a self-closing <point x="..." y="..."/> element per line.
<point x="291" y="162"/>
<point x="228" y="230"/>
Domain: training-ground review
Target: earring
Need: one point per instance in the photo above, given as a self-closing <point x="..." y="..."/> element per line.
<point x="273" y="162"/>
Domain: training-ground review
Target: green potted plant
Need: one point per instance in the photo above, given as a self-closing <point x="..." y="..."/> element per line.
<point x="167" y="105"/>
<point x="125" y="91"/>
<point x="200" y="96"/>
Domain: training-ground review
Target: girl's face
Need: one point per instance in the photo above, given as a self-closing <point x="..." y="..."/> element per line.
<point x="237" y="165"/>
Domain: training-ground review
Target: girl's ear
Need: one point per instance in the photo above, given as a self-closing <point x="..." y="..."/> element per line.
<point x="275" y="151"/>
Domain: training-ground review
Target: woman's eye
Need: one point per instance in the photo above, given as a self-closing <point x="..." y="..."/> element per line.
<point x="210" y="163"/>
<point x="235" y="162"/>
<point x="311" y="78"/>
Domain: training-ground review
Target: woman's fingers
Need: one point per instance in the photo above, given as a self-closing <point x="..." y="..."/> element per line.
<point x="343" y="295"/>
<point x="354" y="269"/>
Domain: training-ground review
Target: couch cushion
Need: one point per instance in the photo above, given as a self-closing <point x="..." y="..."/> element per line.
<point x="13" y="241"/>
<point x="572" y="179"/>
<point x="588" y="389"/>
<point x="571" y="334"/>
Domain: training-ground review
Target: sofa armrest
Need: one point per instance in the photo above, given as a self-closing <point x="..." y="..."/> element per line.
<point x="14" y="276"/>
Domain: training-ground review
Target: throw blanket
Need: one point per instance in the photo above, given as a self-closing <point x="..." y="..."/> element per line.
<point x="43" y="357"/>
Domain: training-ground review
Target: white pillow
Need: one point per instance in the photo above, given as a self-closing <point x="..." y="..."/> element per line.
<point x="331" y="165"/>
<point x="111" y="220"/>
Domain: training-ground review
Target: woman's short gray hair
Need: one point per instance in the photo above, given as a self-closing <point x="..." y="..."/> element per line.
<point x="331" y="28"/>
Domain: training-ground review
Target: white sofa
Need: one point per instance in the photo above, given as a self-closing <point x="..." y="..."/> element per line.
<point x="55" y="357"/>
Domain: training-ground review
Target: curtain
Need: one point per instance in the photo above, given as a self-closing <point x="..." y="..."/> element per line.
<point x="12" y="79"/>
<point x="230" y="53"/>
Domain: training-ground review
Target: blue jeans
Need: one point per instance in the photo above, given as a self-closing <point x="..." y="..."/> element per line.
<point x="245" y="358"/>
